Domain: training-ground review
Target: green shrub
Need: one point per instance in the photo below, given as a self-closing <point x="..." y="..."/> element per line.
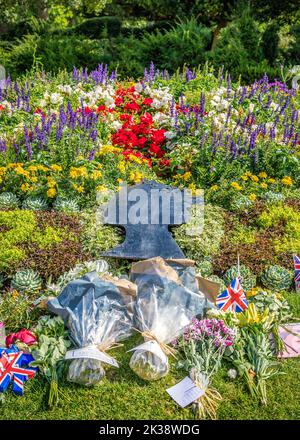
<point x="197" y="244"/>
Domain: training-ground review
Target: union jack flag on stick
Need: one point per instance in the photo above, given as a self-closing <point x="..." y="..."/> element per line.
<point x="297" y="272"/>
<point x="233" y="298"/>
<point x="14" y="369"/>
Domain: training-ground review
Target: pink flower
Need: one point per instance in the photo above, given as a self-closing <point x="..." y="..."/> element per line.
<point x="23" y="335"/>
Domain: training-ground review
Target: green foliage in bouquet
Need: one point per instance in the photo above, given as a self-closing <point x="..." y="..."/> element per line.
<point x="35" y="204"/>
<point x="197" y="243"/>
<point x="26" y="280"/>
<point x="248" y="279"/>
<point x="49" y="354"/>
<point x="8" y="200"/>
<point x="276" y="278"/>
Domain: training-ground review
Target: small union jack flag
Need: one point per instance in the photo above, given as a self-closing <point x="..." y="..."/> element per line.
<point x="233" y="298"/>
<point x="297" y="271"/>
<point x="14" y="368"/>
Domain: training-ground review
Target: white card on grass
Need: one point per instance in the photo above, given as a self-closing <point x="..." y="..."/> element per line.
<point x="185" y="392"/>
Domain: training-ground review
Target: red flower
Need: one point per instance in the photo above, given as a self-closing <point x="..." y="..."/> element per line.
<point x="101" y="108"/>
<point x="164" y="162"/>
<point x="119" y="101"/>
<point x="132" y="106"/>
<point x="147" y="101"/>
<point x="87" y="110"/>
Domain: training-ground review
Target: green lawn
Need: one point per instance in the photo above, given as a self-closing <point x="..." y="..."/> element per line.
<point x="122" y="395"/>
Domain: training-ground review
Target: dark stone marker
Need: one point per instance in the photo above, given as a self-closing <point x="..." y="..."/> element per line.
<point x="145" y="211"/>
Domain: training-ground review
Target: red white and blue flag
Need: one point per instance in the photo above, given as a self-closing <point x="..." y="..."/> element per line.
<point x="14" y="369"/>
<point x="297" y="271"/>
<point x="233" y="298"/>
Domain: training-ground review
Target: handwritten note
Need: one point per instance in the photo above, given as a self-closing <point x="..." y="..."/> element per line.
<point x="185" y="392"/>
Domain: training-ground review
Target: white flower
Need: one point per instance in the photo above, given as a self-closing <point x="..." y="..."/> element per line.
<point x="251" y="107"/>
<point x="116" y="125"/>
<point x="232" y="373"/>
<point x="56" y="98"/>
<point x="170" y="134"/>
<point x="67" y="89"/>
<point x="43" y="103"/>
<point x="138" y="87"/>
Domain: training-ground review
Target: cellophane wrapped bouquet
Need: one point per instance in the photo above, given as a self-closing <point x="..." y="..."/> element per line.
<point x="97" y="317"/>
<point x="164" y="306"/>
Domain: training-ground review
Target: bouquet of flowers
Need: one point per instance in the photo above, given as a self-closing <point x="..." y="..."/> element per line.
<point x="203" y="346"/>
<point x="95" y="313"/>
<point x="163" y="308"/>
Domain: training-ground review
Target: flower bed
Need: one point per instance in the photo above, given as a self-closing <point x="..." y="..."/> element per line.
<point x="66" y="140"/>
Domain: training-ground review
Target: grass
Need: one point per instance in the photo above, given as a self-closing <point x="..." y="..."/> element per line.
<point x="123" y="395"/>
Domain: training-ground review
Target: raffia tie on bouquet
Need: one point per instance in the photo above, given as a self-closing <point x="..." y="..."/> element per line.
<point x="167" y="349"/>
<point x="105" y="346"/>
<point x="208" y="403"/>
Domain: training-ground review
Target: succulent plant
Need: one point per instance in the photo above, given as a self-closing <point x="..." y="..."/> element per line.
<point x="247" y="278"/>
<point x="272" y="197"/>
<point x="66" y="205"/>
<point x="240" y="203"/>
<point x="276" y="278"/>
<point x="8" y="200"/>
<point x="274" y="302"/>
<point x="205" y="267"/>
<point x="218" y="280"/>
<point x="35" y="204"/>
<point x="26" y="280"/>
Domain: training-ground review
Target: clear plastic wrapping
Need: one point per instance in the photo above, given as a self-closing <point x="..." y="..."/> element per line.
<point x="95" y="312"/>
<point x="164" y="307"/>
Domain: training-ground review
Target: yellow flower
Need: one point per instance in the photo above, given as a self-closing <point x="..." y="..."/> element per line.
<point x="245" y="178"/>
<point x="19" y="170"/>
<point x="15" y="294"/>
<point x="2" y="171"/>
<point x="55" y="167"/>
<point x="271" y="180"/>
<point x="99" y="166"/>
<point x="186" y="176"/>
<point x="254" y="178"/>
<point x="121" y="167"/>
<point x="51" y="182"/>
<point x="101" y="188"/>
<point x="33" y="179"/>
<point x="252" y="197"/>
<point x="42" y="168"/>
<point x="32" y="168"/>
<point x="287" y="180"/>
<point x="25" y="187"/>
<point x="78" y="172"/>
<point x="96" y="174"/>
<point x="80" y="157"/>
<point x="120" y="180"/>
<point x="263" y="175"/>
<point x="78" y="188"/>
<point x="214" y="187"/>
<point x="51" y="192"/>
<point x="236" y="186"/>
<point x="264" y="185"/>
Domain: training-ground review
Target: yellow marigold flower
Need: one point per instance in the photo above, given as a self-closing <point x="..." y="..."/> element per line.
<point x="120" y="180"/>
<point x="55" y="167"/>
<point x="2" y="171"/>
<point x="264" y="185"/>
<point x="254" y="178"/>
<point x="33" y="179"/>
<point x="51" y="192"/>
<point x="121" y="167"/>
<point x="271" y="180"/>
<point x="263" y="175"/>
<point x="32" y="168"/>
<point x="42" y="168"/>
<point x="100" y="166"/>
<point x="78" y="172"/>
<point x="236" y="186"/>
<point x="51" y="182"/>
<point x="101" y="188"/>
<point x="252" y="197"/>
<point x="96" y="174"/>
<point x="245" y="178"/>
<point x="186" y="176"/>
<point x="287" y="180"/>
<point x="19" y="170"/>
<point x="25" y="187"/>
<point x="214" y="187"/>
<point x="79" y="188"/>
